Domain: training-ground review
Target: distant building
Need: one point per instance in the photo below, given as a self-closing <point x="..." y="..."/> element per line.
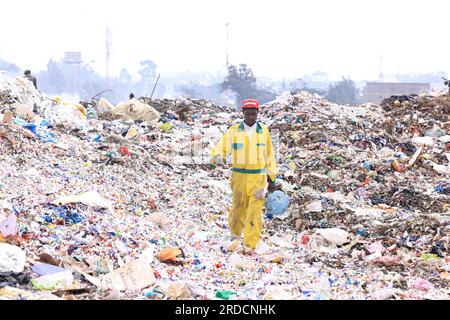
<point x="317" y="80"/>
<point x="72" y="57"/>
<point x="70" y="68"/>
<point x="375" y="92"/>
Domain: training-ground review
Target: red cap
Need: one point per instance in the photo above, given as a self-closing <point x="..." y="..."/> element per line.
<point x="250" y="104"/>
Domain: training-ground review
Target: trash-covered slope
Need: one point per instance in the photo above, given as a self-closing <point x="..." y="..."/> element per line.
<point x="96" y="209"/>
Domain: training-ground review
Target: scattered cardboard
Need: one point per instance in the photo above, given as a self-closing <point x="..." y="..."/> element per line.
<point x="134" y="275"/>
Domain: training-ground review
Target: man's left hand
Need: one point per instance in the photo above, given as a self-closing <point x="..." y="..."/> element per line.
<point x="271" y="185"/>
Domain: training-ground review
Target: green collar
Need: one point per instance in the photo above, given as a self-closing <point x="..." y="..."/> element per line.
<point x="258" y="127"/>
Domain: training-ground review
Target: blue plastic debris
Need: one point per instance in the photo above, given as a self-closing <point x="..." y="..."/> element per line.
<point x="40" y="130"/>
<point x="277" y="202"/>
<point x="67" y="214"/>
<point x="443" y="189"/>
<point x="97" y="138"/>
<point x="362" y="233"/>
<point x="368" y="166"/>
<point x="45" y="268"/>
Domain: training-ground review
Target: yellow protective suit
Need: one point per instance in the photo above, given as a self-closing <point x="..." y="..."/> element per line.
<point x="253" y="160"/>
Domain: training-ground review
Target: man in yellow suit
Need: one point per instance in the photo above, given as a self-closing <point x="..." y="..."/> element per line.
<point x="250" y="146"/>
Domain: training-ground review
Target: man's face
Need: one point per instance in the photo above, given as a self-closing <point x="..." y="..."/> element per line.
<point x="250" y="116"/>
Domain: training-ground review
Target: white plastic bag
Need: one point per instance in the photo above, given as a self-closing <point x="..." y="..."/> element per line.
<point x="236" y="261"/>
<point x="91" y="198"/>
<point x="261" y="247"/>
<point x="335" y="236"/>
<point x="12" y="258"/>
<point x="60" y="280"/>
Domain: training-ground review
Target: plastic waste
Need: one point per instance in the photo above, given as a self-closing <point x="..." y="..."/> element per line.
<point x="383" y="294"/>
<point x="96" y="138"/>
<point x="368" y="166"/>
<point x="170" y="254"/>
<point x="387" y="260"/>
<point x="8" y="226"/>
<point x="277" y="293"/>
<point x="12" y="258"/>
<point x="335" y="236"/>
<point x="261" y="247"/>
<point x="60" y="280"/>
<point x="44" y="269"/>
<point x="439" y="167"/>
<point x="422" y="284"/>
<point x="177" y="289"/>
<point x="154" y="295"/>
<point x="362" y="232"/>
<point x="277" y="202"/>
<point x="90" y="198"/>
<point x="6" y="117"/>
<point x="132" y="132"/>
<point x="397" y="166"/>
<point x="166" y="127"/>
<point x="429" y="141"/>
<point x="105" y="104"/>
<point x="436" y="132"/>
<point x="429" y="257"/>
<point x="443" y="189"/>
<point x="40" y="130"/>
<point x="226" y="294"/>
<point x="159" y="218"/>
<point x="231" y="246"/>
<point x="315" y="206"/>
<point x="136" y="110"/>
<point x="148" y="253"/>
<point x="236" y="261"/>
<point x="281" y="242"/>
<point x="376" y="246"/>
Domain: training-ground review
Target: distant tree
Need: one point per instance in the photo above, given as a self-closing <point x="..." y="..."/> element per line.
<point x="343" y="92"/>
<point x="87" y="74"/>
<point x="242" y="81"/>
<point x="52" y="79"/>
<point x="148" y="74"/>
<point x="10" y="68"/>
<point x="124" y="84"/>
<point x="90" y="89"/>
<point x="190" y="92"/>
<point x="124" y="76"/>
<point x="148" y="69"/>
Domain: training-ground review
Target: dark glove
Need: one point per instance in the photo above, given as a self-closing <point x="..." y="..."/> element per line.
<point x="270" y="186"/>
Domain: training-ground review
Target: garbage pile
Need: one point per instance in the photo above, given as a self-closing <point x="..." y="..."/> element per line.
<point x="350" y="175"/>
<point x="418" y="114"/>
<point x="125" y="208"/>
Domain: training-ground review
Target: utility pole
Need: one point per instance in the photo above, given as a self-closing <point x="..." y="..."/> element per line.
<point x="108" y="54"/>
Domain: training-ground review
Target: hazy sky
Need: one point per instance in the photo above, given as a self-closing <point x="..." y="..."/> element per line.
<point x="275" y="38"/>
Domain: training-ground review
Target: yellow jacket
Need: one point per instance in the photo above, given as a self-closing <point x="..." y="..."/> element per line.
<point x="249" y="156"/>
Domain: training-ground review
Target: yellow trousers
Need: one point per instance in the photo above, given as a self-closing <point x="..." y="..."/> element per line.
<point x="246" y="210"/>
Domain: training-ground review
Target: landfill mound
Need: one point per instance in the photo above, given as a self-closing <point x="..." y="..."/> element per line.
<point x="125" y="209"/>
<point x="418" y="115"/>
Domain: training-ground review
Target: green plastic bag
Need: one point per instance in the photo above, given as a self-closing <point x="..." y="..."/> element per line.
<point x="225" y="294"/>
<point x="166" y="127"/>
<point x="429" y="256"/>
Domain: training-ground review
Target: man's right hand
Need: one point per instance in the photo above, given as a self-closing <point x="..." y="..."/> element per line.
<point x="217" y="160"/>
